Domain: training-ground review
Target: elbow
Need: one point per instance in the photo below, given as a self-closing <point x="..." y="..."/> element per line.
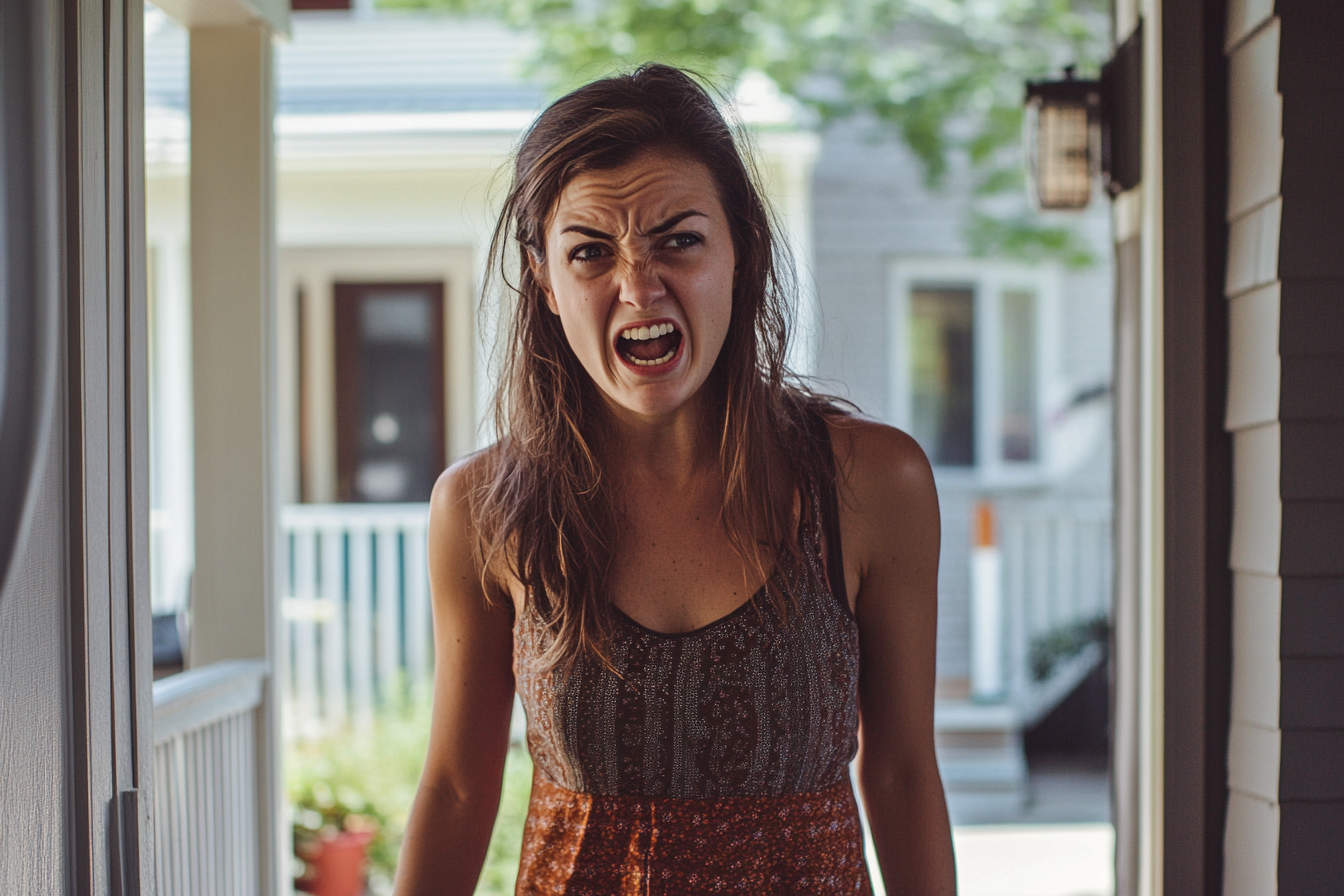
<point x="898" y="777"/>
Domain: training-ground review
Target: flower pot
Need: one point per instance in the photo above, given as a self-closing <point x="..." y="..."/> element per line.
<point x="337" y="863"/>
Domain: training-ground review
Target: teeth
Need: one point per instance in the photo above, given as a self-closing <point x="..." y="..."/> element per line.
<point x="643" y="333"/>
<point x="656" y="361"/>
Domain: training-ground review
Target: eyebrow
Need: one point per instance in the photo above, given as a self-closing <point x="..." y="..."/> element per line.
<point x="656" y="230"/>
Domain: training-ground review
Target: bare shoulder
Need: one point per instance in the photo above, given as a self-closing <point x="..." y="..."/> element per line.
<point x="456" y="486"/>
<point x="879" y="463"/>
<point x="889" y="504"/>
<point x="453" y="533"/>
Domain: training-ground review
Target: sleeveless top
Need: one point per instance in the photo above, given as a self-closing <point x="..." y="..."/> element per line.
<point x="704" y="754"/>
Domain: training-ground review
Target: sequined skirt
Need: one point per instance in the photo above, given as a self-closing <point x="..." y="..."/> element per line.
<point x="582" y="845"/>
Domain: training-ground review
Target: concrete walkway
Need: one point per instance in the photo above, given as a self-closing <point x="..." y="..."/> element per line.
<point x="1035" y="860"/>
<point x="1057" y="841"/>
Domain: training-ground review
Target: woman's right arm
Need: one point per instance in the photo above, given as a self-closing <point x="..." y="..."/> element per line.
<point x="454" y="811"/>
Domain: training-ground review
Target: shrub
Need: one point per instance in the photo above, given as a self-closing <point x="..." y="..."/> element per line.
<point x="368" y="777"/>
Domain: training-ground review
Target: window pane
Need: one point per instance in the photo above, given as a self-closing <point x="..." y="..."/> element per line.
<point x="942" y="352"/>
<point x="1018" y="400"/>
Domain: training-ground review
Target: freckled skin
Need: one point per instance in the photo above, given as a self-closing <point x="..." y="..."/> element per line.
<point x="640" y="273"/>
<point x="664" y="471"/>
<point x="649" y="242"/>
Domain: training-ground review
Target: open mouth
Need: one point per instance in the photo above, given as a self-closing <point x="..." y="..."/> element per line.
<point x="649" y="346"/>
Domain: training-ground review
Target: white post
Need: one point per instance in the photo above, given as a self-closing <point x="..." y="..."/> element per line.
<point x="233" y="321"/>
<point x="987" y="681"/>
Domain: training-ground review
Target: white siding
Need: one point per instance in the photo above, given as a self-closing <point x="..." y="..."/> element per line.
<point x="1254" y="211"/>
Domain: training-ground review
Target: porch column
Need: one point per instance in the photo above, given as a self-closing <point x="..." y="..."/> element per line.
<point x="232" y="286"/>
<point x="233" y="604"/>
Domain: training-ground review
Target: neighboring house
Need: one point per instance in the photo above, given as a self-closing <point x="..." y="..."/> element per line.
<point x="1001" y="370"/>
<point x="392" y="138"/>
<point x="392" y="133"/>
<point x="1229" y="352"/>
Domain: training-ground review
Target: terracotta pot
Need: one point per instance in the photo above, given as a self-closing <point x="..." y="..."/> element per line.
<point x="337" y="863"/>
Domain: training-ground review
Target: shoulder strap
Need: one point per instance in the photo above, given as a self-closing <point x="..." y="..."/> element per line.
<point x="829" y="510"/>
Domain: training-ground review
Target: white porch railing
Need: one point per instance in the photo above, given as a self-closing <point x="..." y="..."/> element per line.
<point x="357" y="615"/>
<point x="1057" y="573"/>
<point x="206" y="780"/>
<point x="356" y="610"/>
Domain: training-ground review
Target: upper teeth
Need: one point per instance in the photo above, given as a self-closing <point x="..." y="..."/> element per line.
<point x="652" y="332"/>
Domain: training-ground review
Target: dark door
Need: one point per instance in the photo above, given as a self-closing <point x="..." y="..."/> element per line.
<point x="75" y="709"/>
<point x="389" y="390"/>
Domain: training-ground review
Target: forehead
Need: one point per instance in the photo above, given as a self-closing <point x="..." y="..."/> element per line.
<point x="649" y="186"/>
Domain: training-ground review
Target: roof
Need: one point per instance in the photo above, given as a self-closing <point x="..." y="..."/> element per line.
<point x="339" y="63"/>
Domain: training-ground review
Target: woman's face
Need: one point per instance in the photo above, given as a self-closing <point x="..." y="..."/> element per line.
<point x="639" y="267"/>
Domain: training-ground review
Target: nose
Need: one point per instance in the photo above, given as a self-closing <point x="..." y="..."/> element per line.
<point x="641" y="284"/>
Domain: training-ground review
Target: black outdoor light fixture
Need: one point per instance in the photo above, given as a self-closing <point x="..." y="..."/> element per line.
<point x="1076" y="129"/>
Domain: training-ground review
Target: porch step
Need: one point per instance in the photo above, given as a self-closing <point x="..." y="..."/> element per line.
<point x="979" y="747"/>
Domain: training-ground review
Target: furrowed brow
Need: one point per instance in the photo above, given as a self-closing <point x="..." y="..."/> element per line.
<point x="588" y="231"/>
<point x="656" y="230"/>
<point x="673" y="222"/>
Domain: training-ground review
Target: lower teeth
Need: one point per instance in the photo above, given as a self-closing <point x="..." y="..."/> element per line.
<point x="655" y="362"/>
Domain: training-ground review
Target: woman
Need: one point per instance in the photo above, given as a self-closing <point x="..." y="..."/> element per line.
<point x="702" y="581"/>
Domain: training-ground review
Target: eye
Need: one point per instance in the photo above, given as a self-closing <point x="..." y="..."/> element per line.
<point x="684" y="240"/>
<point x="588" y="252"/>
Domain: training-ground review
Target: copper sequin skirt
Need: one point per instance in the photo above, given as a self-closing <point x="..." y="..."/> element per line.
<point x="582" y="845"/>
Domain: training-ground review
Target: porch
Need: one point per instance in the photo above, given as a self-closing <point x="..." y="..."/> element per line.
<point x="356" y="639"/>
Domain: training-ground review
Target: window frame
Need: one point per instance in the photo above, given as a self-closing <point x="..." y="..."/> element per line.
<point x="987" y="280"/>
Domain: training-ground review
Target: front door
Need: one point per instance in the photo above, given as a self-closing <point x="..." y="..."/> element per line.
<point x="389" y="390"/>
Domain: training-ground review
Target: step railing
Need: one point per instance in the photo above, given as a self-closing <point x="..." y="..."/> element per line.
<point x="356" y="612"/>
<point x="1057" y="583"/>
<point x="207" y="781"/>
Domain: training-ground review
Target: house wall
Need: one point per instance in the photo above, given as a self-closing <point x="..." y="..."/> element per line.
<point x="872" y="212"/>
<point x="1285" y="279"/>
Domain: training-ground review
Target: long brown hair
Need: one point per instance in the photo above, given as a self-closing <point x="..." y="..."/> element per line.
<point x="545" y="508"/>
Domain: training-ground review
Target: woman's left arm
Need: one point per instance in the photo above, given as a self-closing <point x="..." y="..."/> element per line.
<point x="891" y="533"/>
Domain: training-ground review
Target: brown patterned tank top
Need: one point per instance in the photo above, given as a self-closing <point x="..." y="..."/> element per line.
<point x="702" y="755"/>
<point x="754" y="704"/>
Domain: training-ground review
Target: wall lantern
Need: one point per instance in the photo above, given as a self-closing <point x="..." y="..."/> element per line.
<point x="1076" y="129"/>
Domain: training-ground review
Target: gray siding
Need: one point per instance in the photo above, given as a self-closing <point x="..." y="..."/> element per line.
<point x="1311" y="785"/>
<point x="1286" y="412"/>
<point x="871" y="207"/>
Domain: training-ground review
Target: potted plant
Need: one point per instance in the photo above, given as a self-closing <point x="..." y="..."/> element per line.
<point x="333" y="830"/>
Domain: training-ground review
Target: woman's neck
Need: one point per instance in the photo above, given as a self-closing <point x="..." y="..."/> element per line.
<point x="672" y="450"/>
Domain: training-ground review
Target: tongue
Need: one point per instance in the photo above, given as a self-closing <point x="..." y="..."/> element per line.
<point x="649" y="349"/>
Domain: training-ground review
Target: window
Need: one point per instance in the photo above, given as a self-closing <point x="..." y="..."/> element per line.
<point x="969" y="363"/>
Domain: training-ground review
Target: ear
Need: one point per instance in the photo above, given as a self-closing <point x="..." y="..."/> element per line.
<point x="538" y="267"/>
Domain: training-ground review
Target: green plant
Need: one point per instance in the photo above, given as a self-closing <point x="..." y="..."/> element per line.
<point x="367" y="777"/>
<point x="946" y="76"/>
<point x="1063" y="642"/>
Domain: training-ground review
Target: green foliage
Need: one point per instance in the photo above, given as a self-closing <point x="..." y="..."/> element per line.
<point x="1025" y="237"/>
<point x="368" y="777"/>
<point x="1065" y="642"/>
<point x="945" y="75"/>
<point x="506" y="843"/>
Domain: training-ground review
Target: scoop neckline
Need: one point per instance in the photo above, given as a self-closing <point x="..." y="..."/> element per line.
<point x="729" y="616"/>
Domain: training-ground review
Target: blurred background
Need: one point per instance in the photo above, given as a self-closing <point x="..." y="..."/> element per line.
<point x="932" y="295"/>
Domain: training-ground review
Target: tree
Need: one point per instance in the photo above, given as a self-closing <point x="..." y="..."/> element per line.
<point x="946" y="75"/>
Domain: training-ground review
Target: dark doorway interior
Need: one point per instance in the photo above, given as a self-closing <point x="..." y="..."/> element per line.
<point x="389" y="390"/>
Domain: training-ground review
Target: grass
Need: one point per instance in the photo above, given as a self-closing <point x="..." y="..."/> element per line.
<point x="370" y="775"/>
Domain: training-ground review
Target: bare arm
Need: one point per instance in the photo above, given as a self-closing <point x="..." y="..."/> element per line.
<point x="891" y="534"/>
<point x="449" y="828"/>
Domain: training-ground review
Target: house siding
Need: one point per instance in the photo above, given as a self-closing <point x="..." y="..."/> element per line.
<point x="1286" y="283"/>
<point x="1311" y="788"/>
<point x="873" y="207"/>
<point x="1255" y="741"/>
